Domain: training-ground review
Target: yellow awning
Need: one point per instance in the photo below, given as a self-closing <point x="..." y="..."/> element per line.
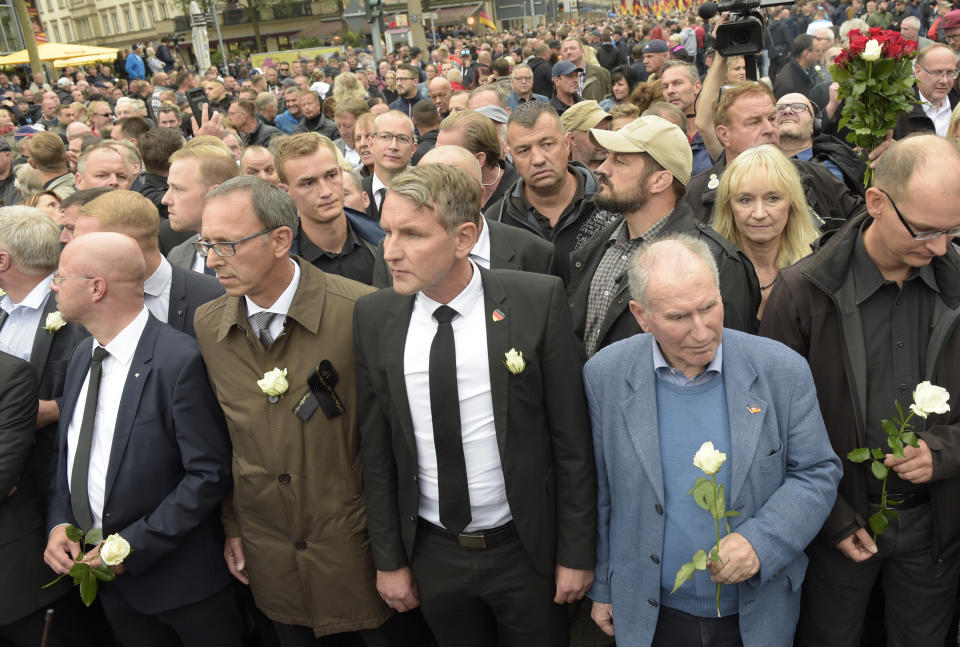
<point x="59" y="51"/>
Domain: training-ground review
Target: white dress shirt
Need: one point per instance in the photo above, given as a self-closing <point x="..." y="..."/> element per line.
<point x="115" y="368"/>
<point x="200" y="263"/>
<point x="156" y="291"/>
<point x="377" y="197"/>
<point x="23" y="319"/>
<point x="351" y="156"/>
<point x="939" y="116"/>
<point x="281" y="306"/>
<point x="480" y="254"/>
<point x="485" y="483"/>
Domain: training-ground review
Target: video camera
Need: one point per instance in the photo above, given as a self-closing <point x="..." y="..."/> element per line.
<point x="175" y="39"/>
<point x="742" y="34"/>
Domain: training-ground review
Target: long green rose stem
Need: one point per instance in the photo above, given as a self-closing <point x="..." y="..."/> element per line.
<point x="716" y="525"/>
<point x="883" y="489"/>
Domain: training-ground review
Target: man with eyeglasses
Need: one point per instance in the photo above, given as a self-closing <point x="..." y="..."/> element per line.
<point x="393" y="147"/>
<point x="295" y="525"/>
<point x="936" y="71"/>
<point x="950" y="26"/>
<point x="521" y="80"/>
<point x="875" y="312"/>
<point x="408" y="94"/>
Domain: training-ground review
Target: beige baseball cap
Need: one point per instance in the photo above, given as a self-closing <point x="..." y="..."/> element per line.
<point x="583" y="115"/>
<point x="660" y="139"/>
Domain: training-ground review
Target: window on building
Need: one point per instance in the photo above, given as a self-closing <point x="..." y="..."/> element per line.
<point x="106" y="24"/>
<point x="60" y="3"/>
<point x="140" y="18"/>
<point x="69" y="32"/>
<point x="126" y="16"/>
<point x="56" y="31"/>
<point x="153" y="13"/>
<point x="116" y="22"/>
<point x="163" y="10"/>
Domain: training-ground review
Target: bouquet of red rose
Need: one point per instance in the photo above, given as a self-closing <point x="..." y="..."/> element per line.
<point x="876" y="86"/>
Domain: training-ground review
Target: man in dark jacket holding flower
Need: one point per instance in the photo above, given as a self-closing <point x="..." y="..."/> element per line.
<point x="886" y="287"/>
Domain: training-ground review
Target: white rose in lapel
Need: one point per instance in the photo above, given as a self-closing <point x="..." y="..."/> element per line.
<point x="514" y="361"/>
<point x="114" y="550"/>
<point x="2" y="293"/>
<point x="709" y="459"/>
<point x="930" y="398"/>
<point x="54" y="322"/>
<point x="872" y="51"/>
<point x="274" y="383"/>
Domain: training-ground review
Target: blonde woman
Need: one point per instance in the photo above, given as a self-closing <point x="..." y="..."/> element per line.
<point x="736" y="70"/>
<point x="761" y="209"/>
<point x="953" y="130"/>
<point x="346" y="84"/>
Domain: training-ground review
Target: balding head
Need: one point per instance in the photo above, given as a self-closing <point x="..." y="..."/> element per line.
<point x="455" y="156"/>
<point x="115" y="257"/>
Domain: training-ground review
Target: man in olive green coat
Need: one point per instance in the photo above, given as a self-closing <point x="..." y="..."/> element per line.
<point x="296" y="524"/>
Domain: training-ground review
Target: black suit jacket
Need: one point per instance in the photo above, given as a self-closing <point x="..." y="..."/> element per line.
<point x="511" y="248"/>
<point x="541" y="420"/>
<point x="22" y="533"/>
<point x="188" y="291"/>
<point x="792" y="78"/>
<point x="169" y="469"/>
<point x="372" y="211"/>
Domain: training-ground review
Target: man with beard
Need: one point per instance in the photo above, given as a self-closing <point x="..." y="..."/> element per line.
<point x="577" y="122"/>
<point x="643" y="179"/>
<point x="795" y="127"/>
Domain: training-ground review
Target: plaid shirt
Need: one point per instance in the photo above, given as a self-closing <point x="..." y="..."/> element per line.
<point x="609" y="274"/>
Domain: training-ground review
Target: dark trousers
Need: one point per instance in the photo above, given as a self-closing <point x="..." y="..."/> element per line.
<point x="679" y="629"/>
<point x="73" y="625"/>
<point x="920" y="592"/>
<point x="401" y="630"/>
<point x="486" y="597"/>
<point x="212" y="621"/>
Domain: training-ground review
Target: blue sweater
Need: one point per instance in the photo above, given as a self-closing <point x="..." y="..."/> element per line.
<point x="688" y="417"/>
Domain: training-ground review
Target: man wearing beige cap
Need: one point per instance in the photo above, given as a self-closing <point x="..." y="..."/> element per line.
<point x="643" y="179"/>
<point x="577" y="122"/>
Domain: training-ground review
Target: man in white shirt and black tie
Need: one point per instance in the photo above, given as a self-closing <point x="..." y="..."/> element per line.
<point x="393" y="147"/>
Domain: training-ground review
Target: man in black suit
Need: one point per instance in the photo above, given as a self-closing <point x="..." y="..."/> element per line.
<point x="505" y="247"/>
<point x="159" y="488"/>
<point x="481" y="496"/>
<point x="171" y="294"/>
<point x="393" y="146"/>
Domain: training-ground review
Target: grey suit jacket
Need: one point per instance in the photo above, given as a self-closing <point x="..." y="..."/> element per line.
<point x="182" y="255"/>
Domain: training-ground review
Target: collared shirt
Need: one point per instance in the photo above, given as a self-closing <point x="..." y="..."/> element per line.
<point x="281" y="306"/>
<point x="199" y="263"/>
<point x="115" y="368"/>
<point x="540" y="221"/>
<point x="377" y="197"/>
<point x="480" y="254"/>
<point x="355" y="261"/>
<point x="610" y="277"/>
<point x="939" y="116"/>
<point x="896" y="323"/>
<point x="23" y="320"/>
<point x="675" y="376"/>
<point x="351" y="155"/>
<point x="485" y="482"/>
<point x="156" y="291"/>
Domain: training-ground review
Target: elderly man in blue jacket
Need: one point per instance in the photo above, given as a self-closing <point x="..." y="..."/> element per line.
<point x="134" y="65"/>
<point x="655" y="398"/>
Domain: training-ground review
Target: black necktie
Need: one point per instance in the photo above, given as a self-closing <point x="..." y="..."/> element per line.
<point x="79" y="499"/>
<point x="445" y="410"/>
<point x="382" y="194"/>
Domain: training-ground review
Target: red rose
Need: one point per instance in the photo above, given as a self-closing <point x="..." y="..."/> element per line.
<point x="910" y="47"/>
<point x="893" y="49"/>
<point x="857" y="44"/>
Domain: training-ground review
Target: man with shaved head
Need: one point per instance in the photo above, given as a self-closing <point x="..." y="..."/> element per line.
<point x="171" y="293"/>
<point x="498" y="246"/>
<point x="143" y="453"/>
<point x="440" y="91"/>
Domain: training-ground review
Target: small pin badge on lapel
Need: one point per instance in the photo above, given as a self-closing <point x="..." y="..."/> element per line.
<point x="497" y="315"/>
<point x="753" y="409"/>
<point x="136" y="375"/>
<point x="713" y="182"/>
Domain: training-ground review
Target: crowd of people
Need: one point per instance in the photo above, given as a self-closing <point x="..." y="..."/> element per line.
<point x="419" y="351"/>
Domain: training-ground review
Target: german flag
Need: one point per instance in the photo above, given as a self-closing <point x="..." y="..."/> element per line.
<point x="484" y="19"/>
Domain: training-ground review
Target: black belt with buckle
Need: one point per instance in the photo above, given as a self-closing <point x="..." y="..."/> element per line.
<point x="905" y="500"/>
<point x="478" y="539"/>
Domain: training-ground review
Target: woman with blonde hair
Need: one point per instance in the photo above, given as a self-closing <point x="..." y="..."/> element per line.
<point x="346" y="84"/>
<point x="953" y="130"/>
<point x="761" y="208"/>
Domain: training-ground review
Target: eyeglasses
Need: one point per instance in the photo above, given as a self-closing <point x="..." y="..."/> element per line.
<point x="405" y="78"/>
<point x="401" y="139"/>
<point x="227" y="248"/>
<point x="103" y="114"/>
<point x="920" y="235"/>
<point x="946" y="74"/>
<point x="793" y="107"/>
<point x="57" y="279"/>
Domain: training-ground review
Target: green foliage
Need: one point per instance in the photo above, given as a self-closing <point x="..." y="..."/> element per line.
<point x="859" y="455"/>
<point x="878" y="523"/>
<point x="879" y="470"/>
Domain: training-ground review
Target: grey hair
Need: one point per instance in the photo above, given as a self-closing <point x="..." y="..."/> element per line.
<point x="690" y="69"/>
<point x="913" y="20"/>
<point x="528" y="113"/>
<point x="273" y="207"/>
<point x="646" y="255"/>
<point x="31" y="238"/>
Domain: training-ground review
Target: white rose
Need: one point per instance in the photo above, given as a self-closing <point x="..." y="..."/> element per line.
<point x="54" y="322"/>
<point x="872" y="51"/>
<point x="514" y="363"/>
<point x="930" y="398"/>
<point x="709" y="459"/>
<point x="114" y="550"/>
<point x="274" y="382"/>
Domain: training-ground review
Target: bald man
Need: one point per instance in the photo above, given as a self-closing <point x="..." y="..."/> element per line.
<point x="159" y="488"/>
<point x="498" y="246"/>
<point x="171" y="293"/>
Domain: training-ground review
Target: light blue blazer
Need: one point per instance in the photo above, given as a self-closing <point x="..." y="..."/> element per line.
<point x="783" y="481"/>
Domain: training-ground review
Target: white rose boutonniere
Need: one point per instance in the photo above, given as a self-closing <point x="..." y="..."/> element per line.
<point x="54" y="322"/>
<point x="2" y="293"/>
<point x="514" y="361"/>
<point x="930" y="398"/>
<point x="114" y="550"/>
<point x="274" y="383"/>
